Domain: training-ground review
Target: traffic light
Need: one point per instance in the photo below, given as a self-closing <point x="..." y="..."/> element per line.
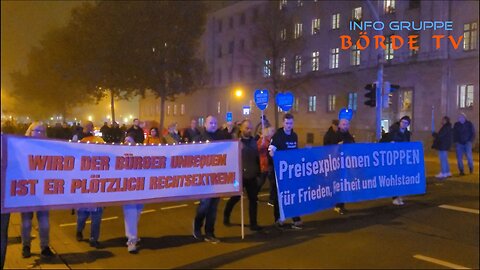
<point x="387" y="93"/>
<point x="371" y="95"/>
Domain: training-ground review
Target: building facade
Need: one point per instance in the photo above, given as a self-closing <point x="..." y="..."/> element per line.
<point x="434" y="80"/>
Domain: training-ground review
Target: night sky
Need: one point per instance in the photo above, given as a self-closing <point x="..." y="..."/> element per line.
<point x="23" y="24"/>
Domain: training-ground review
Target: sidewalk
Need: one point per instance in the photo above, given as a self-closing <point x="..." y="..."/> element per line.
<point x="14" y="259"/>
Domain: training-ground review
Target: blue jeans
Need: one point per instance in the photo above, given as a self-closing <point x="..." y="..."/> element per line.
<point x="43" y="227"/>
<point x="96" y="218"/>
<point x="207" y="209"/>
<point x="443" y="155"/>
<point x="467" y="150"/>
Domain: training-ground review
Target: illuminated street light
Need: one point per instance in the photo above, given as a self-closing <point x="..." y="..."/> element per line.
<point x="90" y="118"/>
<point x="238" y="93"/>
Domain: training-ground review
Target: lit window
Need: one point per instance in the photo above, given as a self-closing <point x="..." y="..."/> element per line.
<point x="470" y="36"/>
<point x="295" y="104"/>
<point x="465" y="96"/>
<point x="312" y="103"/>
<point x="331" y="103"/>
<point x="298" y="30"/>
<point x="357" y="14"/>
<point x="168" y="110"/>
<point x="414" y="52"/>
<point x="352" y="101"/>
<point x="389" y="48"/>
<point x="182" y="109"/>
<point x="219" y="107"/>
<point x="336" y="21"/>
<point x="175" y="109"/>
<point x="298" y="64"/>
<point x="355" y="56"/>
<point x="334" y="58"/>
<point x="283" y="67"/>
<point x="283" y="34"/>
<point x="315" y="26"/>
<point x="315" y="60"/>
<point x="267" y="71"/>
<point x="283" y="4"/>
<point x="299" y="3"/>
<point x="389" y="6"/>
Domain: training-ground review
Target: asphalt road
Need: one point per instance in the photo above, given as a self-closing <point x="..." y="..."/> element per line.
<point x="437" y="230"/>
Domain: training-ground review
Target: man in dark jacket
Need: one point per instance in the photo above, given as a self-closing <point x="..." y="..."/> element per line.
<point x="284" y="139"/>
<point x="443" y="142"/>
<point x="251" y="169"/>
<point x="331" y="136"/>
<point x="207" y="209"/>
<point x="398" y="132"/>
<point x="139" y="137"/>
<point x="341" y="136"/>
<point x="463" y="137"/>
<point x="190" y="133"/>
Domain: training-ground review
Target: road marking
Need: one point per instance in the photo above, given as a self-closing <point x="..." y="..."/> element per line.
<point x="439" y="262"/>
<point x="148" y="211"/>
<point x="461" y="209"/>
<point x="174" y="206"/>
<point x="88" y="222"/>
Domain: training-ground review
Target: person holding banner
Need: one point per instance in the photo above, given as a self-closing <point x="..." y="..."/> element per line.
<point x="251" y="169"/>
<point x="36" y="129"/>
<point x="153" y="137"/>
<point x="131" y="213"/>
<point x="95" y="213"/>
<point x="341" y="136"/>
<point x="284" y="139"/>
<point x="398" y="132"/>
<point x="207" y="208"/>
<point x="442" y="142"/>
<point x="266" y="169"/>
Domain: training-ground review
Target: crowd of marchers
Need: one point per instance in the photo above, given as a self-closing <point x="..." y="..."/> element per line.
<point x="258" y="146"/>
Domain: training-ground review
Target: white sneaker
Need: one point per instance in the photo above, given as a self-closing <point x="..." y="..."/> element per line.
<point x="132" y="247"/>
<point x="397" y="201"/>
<point x="440" y="175"/>
<point x="447" y="174"/>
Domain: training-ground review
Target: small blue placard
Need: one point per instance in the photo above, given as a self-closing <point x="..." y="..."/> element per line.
<point x="345" y="114"/>
<point x="229" y="117"/>
<point x="261" y="99"/>
<point x="284" y="101"/>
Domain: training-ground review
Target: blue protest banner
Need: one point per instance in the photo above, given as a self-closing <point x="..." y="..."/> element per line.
<point x="261" y="99"/>
<point x="313" y="179"/>
<point x="284" y="101"/>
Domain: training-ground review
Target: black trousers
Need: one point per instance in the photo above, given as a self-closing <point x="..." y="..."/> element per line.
<point x="252" y="192"/>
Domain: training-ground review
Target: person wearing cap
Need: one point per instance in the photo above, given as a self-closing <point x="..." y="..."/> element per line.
<point x="463" y="137"/>
<point x="398" y="132"/>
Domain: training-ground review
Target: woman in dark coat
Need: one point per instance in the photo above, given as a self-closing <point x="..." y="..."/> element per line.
<point x="443" y="142"/>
